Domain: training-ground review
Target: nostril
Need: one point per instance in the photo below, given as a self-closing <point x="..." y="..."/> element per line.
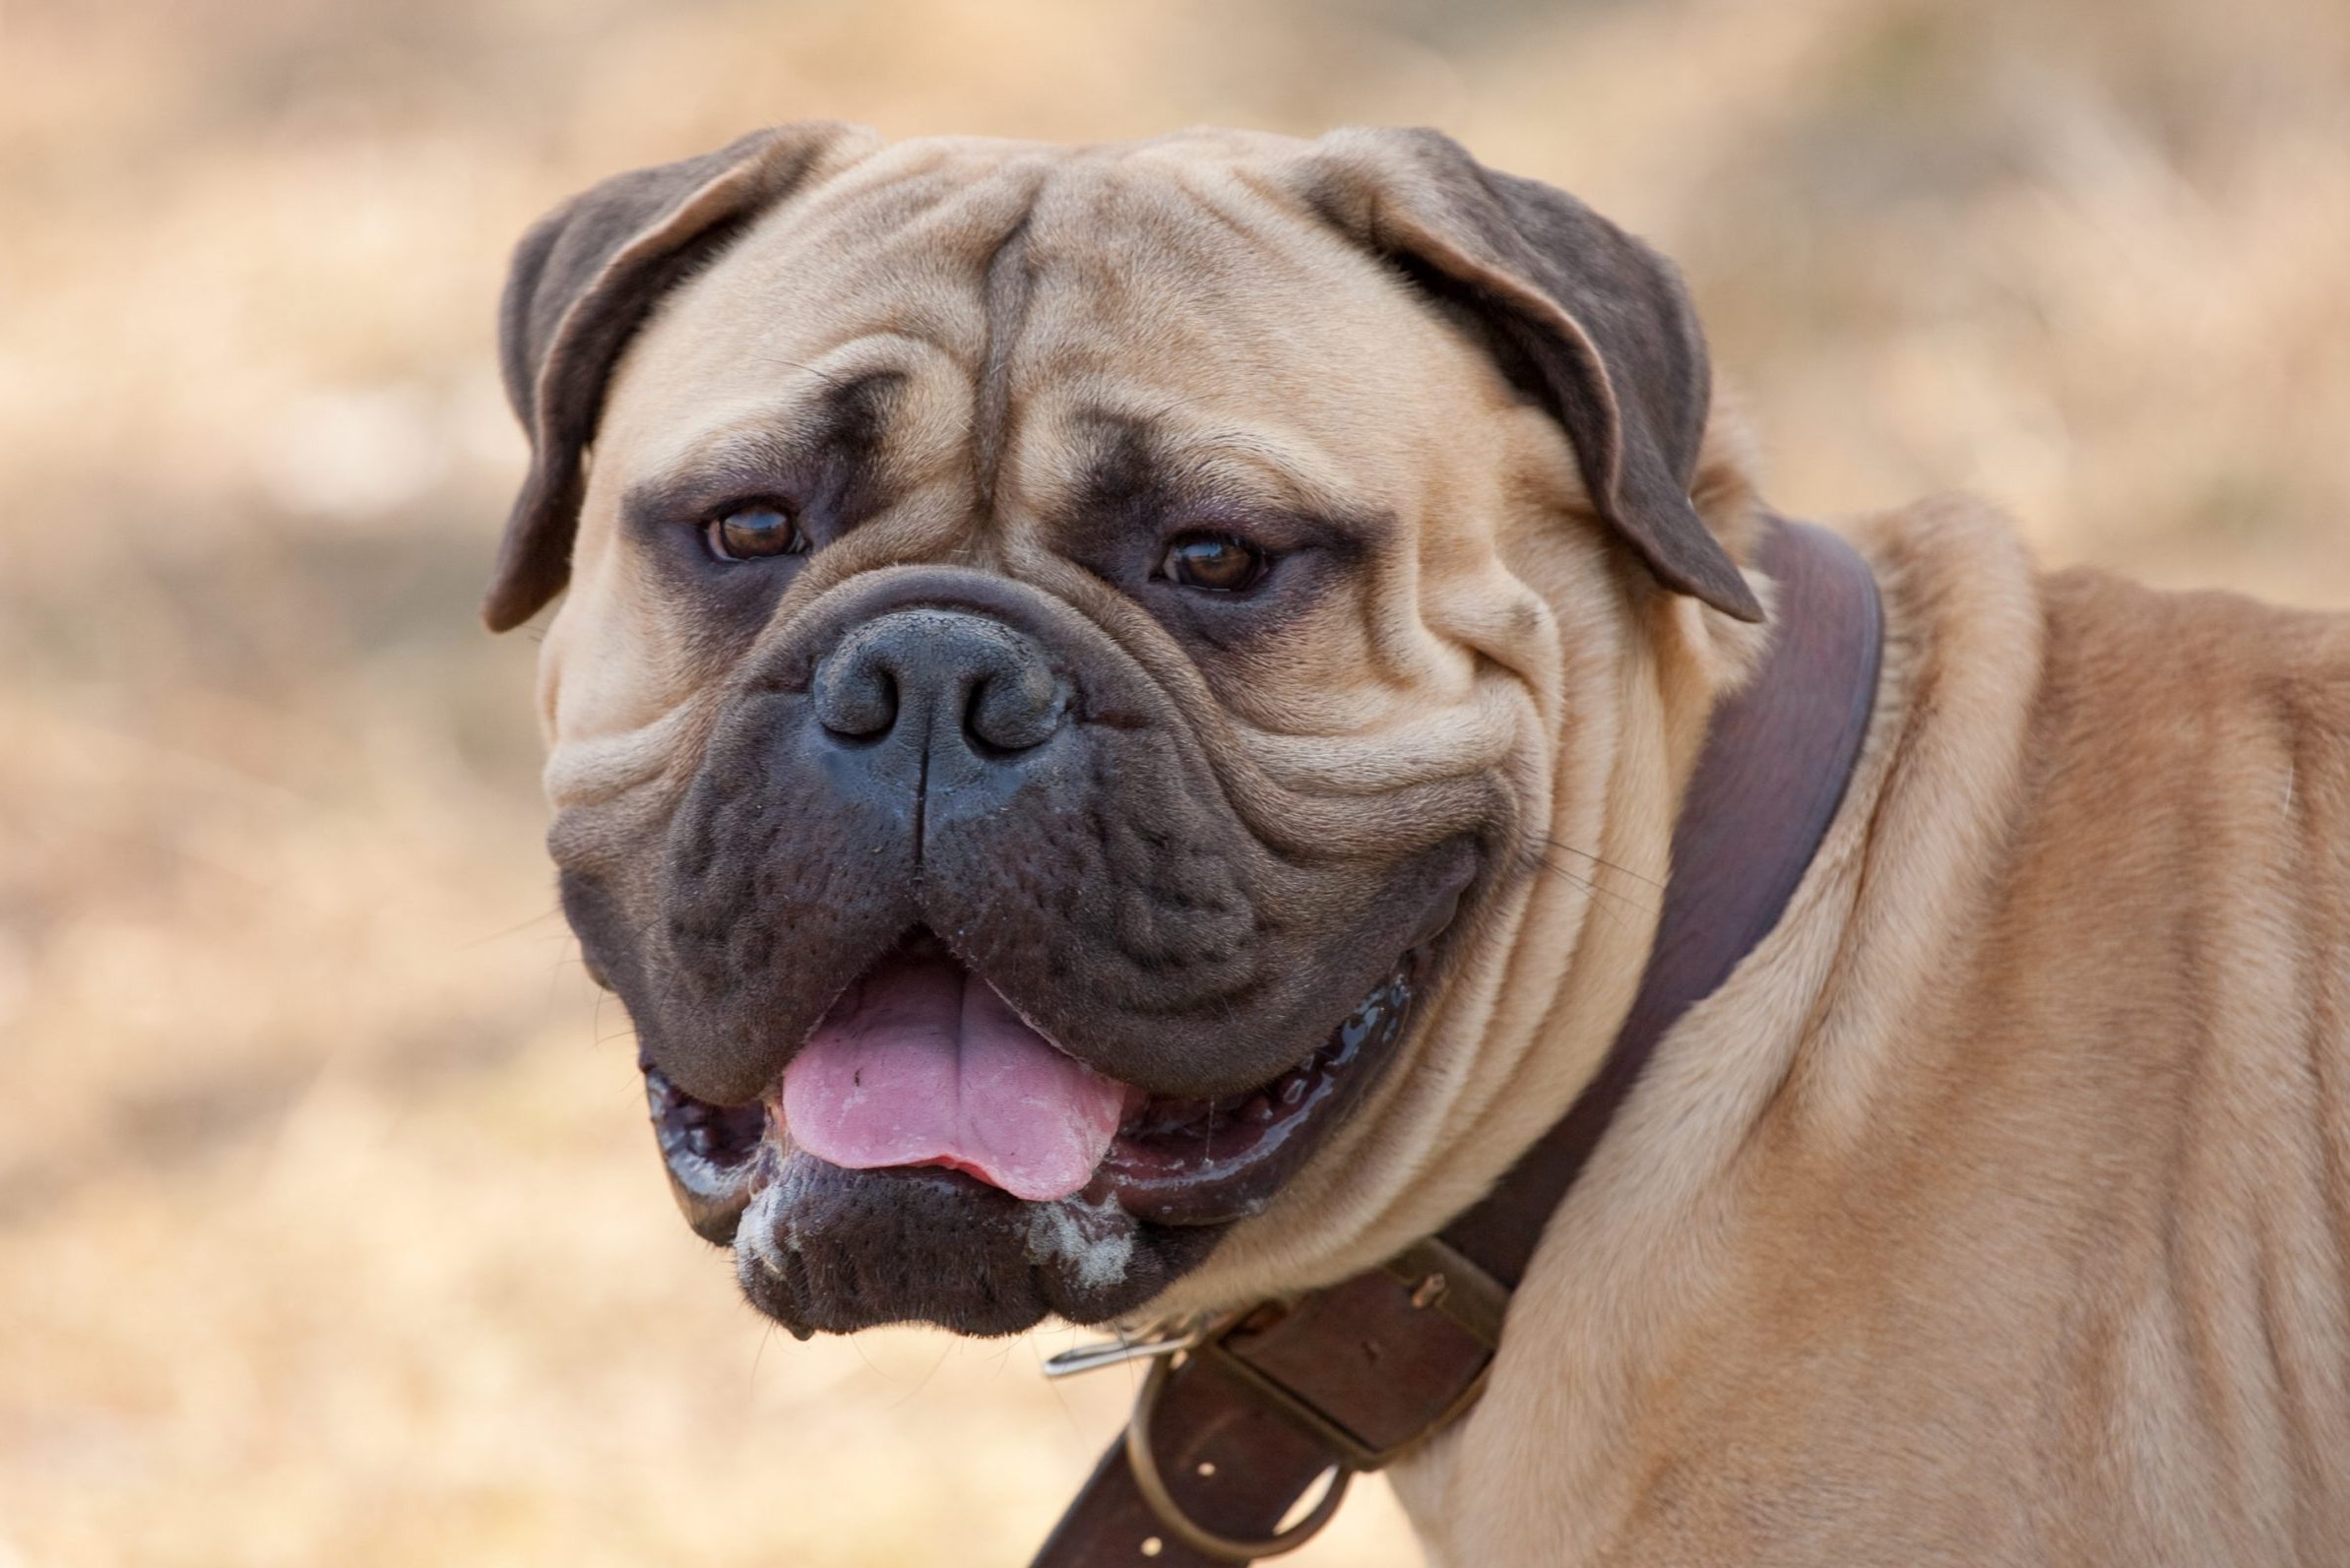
<point x="857" y="697"/>
<point x="1015" y="707"/>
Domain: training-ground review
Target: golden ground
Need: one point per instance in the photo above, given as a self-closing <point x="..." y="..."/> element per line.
<point x="329" y="1229"/>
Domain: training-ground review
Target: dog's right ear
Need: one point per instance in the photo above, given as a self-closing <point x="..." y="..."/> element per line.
<point x="1587" y="317"/>
<point x="582" y="279"/>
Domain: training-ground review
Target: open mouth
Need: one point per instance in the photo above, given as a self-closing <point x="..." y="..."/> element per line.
<point x="920" y="1064"/>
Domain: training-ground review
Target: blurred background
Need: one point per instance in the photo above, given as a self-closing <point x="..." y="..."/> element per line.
<point x="330" y="1231"/>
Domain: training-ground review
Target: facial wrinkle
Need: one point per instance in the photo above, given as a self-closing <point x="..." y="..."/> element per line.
<point x="1005" y="294"/>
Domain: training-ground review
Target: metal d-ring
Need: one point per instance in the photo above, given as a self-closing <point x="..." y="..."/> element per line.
<point x="1159" y="1342"/>
<point x="1152" y="1487"/>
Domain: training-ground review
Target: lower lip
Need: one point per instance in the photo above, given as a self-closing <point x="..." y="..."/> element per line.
<point x="710" y="1151"/>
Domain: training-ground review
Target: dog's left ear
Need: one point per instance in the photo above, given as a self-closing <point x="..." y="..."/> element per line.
<point x="583" y="281"/>
<point x="1590" y="320"/>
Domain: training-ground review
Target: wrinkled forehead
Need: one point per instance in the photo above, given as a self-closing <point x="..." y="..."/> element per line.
<point x="1029" y="312"/>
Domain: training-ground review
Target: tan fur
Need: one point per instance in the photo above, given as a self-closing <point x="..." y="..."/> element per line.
<point x="1995" y="1209"/>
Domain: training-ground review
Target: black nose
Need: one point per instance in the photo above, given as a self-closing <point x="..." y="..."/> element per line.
<point x="951" y="685"/>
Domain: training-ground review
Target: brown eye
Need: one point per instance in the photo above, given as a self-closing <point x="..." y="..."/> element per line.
<point x="1214" y="563"/>
<point x="754" y="531"/>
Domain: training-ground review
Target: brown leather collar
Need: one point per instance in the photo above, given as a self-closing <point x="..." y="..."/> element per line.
<point x="1238" y="1421"/>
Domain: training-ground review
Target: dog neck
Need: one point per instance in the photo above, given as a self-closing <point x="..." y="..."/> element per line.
<point x="1353" y="1376"/>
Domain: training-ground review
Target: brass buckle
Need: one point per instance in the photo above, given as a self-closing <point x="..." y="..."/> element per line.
<point x="1439" y="1278"/>
<point x="1191" y="1531"/>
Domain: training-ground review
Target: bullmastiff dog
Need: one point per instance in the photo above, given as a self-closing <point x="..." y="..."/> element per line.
<point x="1116" y="720"/>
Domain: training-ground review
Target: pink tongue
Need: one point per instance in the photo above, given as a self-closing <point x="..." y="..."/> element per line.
<point x="922" y="1064"/>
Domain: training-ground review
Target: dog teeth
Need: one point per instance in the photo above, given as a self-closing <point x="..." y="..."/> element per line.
<point x="1267" y="1106"/>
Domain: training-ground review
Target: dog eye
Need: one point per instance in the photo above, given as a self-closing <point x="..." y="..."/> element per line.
<point x="1214" y="563"/>
<point x="753" y="532"/>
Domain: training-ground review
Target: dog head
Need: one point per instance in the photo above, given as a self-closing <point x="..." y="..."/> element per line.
<point x="1071" y="665"/>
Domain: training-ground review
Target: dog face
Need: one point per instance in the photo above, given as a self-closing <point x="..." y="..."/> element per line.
<point x="1063" y="673"/>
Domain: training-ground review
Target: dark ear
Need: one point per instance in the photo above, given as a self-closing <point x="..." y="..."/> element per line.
<point x="582" y="279"/>
<point x="1590" y="320"/>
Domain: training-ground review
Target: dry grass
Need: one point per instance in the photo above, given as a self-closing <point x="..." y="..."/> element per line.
<point x="329" y="1232"/>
